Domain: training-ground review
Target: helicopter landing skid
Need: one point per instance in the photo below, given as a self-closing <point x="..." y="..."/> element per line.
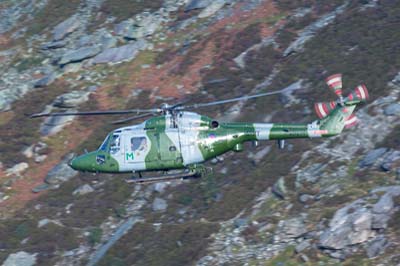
<point x="162" y="178"/>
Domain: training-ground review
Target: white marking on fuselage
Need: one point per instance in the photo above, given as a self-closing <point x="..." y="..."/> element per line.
<point x="263" y="130"/>
<point x="189" y="126"/>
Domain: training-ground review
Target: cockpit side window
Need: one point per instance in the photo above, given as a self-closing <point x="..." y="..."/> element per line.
<point x="115" y="144"/>
<point x="138" y="144"/>
<point x="103" y="146"/>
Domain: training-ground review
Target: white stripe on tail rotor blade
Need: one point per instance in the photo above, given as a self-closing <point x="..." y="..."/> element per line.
<point x="321" y="110"/>
<point x="351" y="120"/>
<point x="333" y="80"/>
<point x="362" y="92"/>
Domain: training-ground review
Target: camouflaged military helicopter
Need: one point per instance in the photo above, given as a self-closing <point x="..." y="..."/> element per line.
<point x="181" y="140"/>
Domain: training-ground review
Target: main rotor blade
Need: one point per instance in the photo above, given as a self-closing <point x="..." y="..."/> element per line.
<point x="198" y="105"/>
<point x="122" y="121"/>
<point x="112" y="112"/>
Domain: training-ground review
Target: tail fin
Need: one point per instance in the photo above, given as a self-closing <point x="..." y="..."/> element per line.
<point x="336" y="115"/>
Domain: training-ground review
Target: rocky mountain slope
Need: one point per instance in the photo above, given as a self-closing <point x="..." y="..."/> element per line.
<point x="317" y="202"/>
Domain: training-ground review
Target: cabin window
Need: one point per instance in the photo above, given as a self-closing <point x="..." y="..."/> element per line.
<point x="138" y="144"/>
<point x="115" y="144"/>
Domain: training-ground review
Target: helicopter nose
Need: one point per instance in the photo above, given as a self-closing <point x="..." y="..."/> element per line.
<point x="80" y="163"/>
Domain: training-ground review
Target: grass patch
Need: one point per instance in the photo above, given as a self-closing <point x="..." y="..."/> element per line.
<point x="27" y="63"/>
<point x="124" y="9"/>
<point x="55" y="12"/>
<point x="180" y="244"/>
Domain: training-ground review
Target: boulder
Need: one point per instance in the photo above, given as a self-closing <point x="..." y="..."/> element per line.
<point x="120" y="54"/>
<point x="372" y="157"/>
<point x="160" y="187"/>
<point x="46" y="80"/>
<point x="392" y="109"/>
<point x="390" y="159"/>
<point x="197" y="4"/>
<point x="240" y="222"/>
<point x="20" y="258"/>
<point x="61" y="172"/>
<point x="137" y="29"/>
<point x="212" y="8"/>
<point x="79" y="55"/>
<point x="17" y="169"/>
<point x="279" y="188"/>
<point x="304" y="198"/>
<point x="290" y="229"/>
<point x="71" y="99"/>
<point x="66" y="27"/>
<point x="159" y="205"/>
<point x="53" y="45"/>
<point x="82" y="190"/>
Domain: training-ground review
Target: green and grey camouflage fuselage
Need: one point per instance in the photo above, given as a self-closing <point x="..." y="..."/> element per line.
<point x="168" y="142"/>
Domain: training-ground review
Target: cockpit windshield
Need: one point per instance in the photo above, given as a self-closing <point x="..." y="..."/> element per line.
<point x="103" y="146"/>
<point x="115" y="144"/>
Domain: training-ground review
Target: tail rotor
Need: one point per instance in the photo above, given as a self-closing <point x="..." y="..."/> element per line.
<point x="360" y="94"/>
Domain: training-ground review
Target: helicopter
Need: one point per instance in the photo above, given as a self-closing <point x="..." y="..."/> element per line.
<point x="180" y="141"/>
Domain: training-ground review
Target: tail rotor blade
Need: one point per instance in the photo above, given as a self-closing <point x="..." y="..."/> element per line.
<point x="335" y="83"/>
<point x="362" y="92"/>
<point x="351" y="121"/>
<point x="359" y="94"/>
<point x="324" y="109"/>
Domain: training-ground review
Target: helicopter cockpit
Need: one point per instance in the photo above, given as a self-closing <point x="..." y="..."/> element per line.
<point x="111" y="143"/>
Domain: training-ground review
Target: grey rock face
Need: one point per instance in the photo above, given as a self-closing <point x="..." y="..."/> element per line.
<point x="290" y="229"/>
<point x="61" y="172"/>
<point x="66" y="27"/>
<point x="120" y="54"/>
<point x="311" y="173"/>
<point x="392" y="109"/>
<point x="309" y="32"/>
<point x="303" y="246"/>
<point x="384" y="205"/>
<point x="71" y="99"/>
<point x="79" y="55"/>
<point x="53" y="125"/>
<point x="159" y="205"/>
<point x="377" y="247"/>
<point x="372" y="156"/>
<point x="287" y="96"/>
<point x="21" y="258"/>
<point x="350" y="225"/>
